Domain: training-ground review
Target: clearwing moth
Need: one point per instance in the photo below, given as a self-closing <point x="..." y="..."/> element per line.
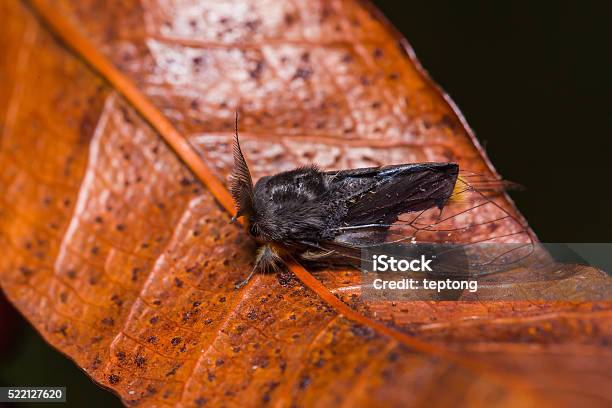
<point x="329" y="216"/>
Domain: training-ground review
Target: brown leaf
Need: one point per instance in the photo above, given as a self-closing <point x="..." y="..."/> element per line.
<point x="114" y="113"/>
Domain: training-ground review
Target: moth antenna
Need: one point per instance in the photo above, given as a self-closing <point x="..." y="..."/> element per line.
<point x="236" y="125"/>
<point x="241" y="184"/>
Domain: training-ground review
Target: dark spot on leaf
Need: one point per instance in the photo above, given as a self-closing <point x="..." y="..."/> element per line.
<point x="25" y="271"/>
<point x="135" y="274"/>
<point x="252" y="25"/>
<point x="255" y="73"/>
<point x="175" y="341"/>
<point x="152" y="340"/>
<point x="178" y="282"/>
<point x="154" y="319"/>
<point x="107" y="321"/>
<point x="116" y="300"/>
<point x="289" y="19"/>
<point x="260" y="361"/>
<point x="285" y="278"/>
<point x="96" y="362"/>
<point x="113" y="378"/>
<point x="393" y="356"/>
<point x="219" y="362"/>
<point x="362" y="331"/>
<point x="86" y="127"/>
<point x="303" y="73"/>
<point x="140" y="361"/>
<point x="125" y="114"/>
<point x="447" y="121"/>
<point x="120" y="355"/>
<point x="304" y="382"/>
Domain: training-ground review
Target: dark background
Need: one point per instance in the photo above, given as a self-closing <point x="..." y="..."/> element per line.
<point x="533" y="80"/>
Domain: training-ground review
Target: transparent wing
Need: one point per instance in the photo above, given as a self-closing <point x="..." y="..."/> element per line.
<point x="473" y="222"/>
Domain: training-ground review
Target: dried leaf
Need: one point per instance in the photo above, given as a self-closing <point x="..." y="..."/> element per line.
<point x="125" y="261"/>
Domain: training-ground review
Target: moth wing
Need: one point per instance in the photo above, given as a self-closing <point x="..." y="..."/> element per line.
<point x="380" y="195"/>
<point x="374" y="198"/>
<point x="462" y="209"/>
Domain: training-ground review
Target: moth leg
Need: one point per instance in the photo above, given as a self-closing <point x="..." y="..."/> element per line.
<point x="267" y="260"/>
<point x="248" y="278"/>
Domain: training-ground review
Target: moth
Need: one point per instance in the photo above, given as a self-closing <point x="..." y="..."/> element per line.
<point x="327" y="216"/>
